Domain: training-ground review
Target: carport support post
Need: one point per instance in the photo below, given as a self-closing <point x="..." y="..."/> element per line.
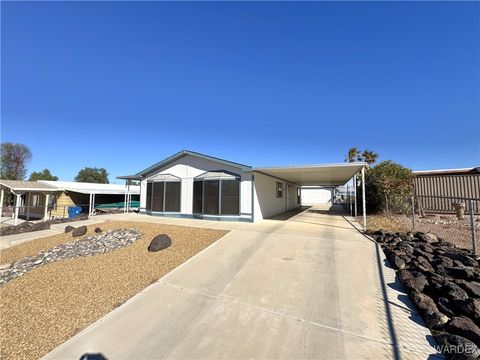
<point x="17" y="208"/>
<point x="364" y="204"/>
<point x="45" y="216"/>
<point x="355" y="193"/>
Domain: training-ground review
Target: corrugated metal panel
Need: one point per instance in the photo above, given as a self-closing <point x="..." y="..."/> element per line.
<point x="454" y="186"/>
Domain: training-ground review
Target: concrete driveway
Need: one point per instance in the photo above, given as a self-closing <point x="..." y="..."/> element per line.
<point x="310" y="286"/>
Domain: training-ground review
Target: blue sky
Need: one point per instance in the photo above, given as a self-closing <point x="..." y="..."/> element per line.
<point x="122" y="85"/>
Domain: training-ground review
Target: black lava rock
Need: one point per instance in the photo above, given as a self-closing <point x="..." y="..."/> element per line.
<point x="159" y="242"/>
<point x="80" y="231"/>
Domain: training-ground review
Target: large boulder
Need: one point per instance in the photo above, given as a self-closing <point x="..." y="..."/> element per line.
<point x="433" y="317"/>
<point x="460" y="272"/>
<point x="455" y="292"/>
<point x="430" y="237"/>
<point x="463" y="326"/>
<point x="443" y="261"/>
<point x="69" y="228"/>
<point x="80" y="231"/>
<point x="159" y="242"/>
<point x="446" y="306"/>
<point x="98" y="230"/>
<point x="458" y="347"/>
<point x="413" y="280"/>
<point x="396" y="261"/>
<point x="469" y="307"/>
<point x="471" y="287"/>
<point x="462" y="257"/>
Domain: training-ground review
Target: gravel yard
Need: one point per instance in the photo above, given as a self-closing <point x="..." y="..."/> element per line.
<point x="444" y="226"/>
<point x="51" y="303"/>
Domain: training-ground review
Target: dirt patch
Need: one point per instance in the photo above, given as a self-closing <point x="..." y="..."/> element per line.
<point x="80" y="291"/>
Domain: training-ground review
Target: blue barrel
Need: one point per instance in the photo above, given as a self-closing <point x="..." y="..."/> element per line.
<point x="74" y="211"/>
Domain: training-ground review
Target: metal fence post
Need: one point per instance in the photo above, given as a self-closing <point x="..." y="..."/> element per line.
<point x="472" y="226"/>
<point x="413" y="212"/>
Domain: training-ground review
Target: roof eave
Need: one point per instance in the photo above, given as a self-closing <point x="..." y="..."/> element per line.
<point x="183" y="153"/>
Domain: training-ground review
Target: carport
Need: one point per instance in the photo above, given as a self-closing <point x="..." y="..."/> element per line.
<point x="321" y="175"/>
<point x="28" y="189"/>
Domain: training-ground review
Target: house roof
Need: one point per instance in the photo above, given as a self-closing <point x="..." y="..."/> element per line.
<point x="26" y="186"/>
<point x="458" y="171"/>
<point x="91" y="188"/>
<point x="318" y="175"/>
<point x="179" y="155"/>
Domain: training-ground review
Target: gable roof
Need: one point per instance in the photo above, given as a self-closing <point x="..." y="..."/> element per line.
<point x="179" y="155"/>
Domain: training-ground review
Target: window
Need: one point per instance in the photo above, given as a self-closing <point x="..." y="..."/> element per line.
<point x="52" y="202"/>
<point x="34" y="199"/>
<point x="217" y="196"/>
<point x="197" y="197"/>
<point x="230" y="197"/>
<point x="279" y="190"/>
<point x="172" y="196"/>
<point x="211" y="195"/>
<point x="163" y="196"/>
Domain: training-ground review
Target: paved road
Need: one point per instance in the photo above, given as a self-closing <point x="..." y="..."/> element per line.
<point x="307" y="287"/>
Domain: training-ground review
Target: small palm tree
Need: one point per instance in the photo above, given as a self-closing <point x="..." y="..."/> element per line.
<point x="353" y="155"/>
<point x="369" y="157"/>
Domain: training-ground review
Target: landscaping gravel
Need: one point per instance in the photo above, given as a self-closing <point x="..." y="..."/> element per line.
<point x="49" y="304"/>
<point x="89" y="246"/>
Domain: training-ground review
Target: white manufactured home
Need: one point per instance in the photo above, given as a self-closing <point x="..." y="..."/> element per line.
<point x="193" y="185"/>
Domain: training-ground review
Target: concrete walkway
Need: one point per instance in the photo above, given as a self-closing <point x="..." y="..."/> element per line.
<point x="307" y="287"/>
<point x="12" y="240"/>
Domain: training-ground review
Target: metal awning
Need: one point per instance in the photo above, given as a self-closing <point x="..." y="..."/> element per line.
<point x="314" y="175"/>
<point x="26" y="186"/>
<point x="102" y="192"/>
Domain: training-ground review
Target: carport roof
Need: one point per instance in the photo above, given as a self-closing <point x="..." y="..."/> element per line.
<point x="92" y="188"/>
<point x="26" y="186"/>
<point x="308" y="175"/>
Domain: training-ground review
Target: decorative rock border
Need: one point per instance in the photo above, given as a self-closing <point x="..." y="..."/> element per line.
<point x="89" y="246"/>
<point x="443" y="282"/>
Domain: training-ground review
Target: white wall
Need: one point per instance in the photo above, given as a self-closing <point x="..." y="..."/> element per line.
<point x="266" y="203"/>
<point x="312" y="196"/>
<point x="187" y="168"/>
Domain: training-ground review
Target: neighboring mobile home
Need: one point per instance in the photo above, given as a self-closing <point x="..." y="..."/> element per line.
<point x="51" y="199"/>
<point x="193" y="185"/>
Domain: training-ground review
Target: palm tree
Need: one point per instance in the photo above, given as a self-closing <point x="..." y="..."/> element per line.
<point x="369" y="157"/>
<point x="353" y="155"/>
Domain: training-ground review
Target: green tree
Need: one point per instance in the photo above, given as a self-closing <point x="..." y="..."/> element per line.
<point x="92" y="175"/>
<point x="42" y="175"/>
<point x="369" y="157"/>
<point x="353" y="155"/>
<point x="14" y="159"/>
<point x="386" y="178"/>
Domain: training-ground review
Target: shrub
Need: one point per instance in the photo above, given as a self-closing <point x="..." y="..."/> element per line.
<point x="387" y="177"/>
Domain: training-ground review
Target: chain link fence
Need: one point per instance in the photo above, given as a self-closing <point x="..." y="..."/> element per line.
<point x="454" y="219"/>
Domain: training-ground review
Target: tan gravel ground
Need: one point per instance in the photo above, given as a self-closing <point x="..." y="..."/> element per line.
<point x="45" y="307"/>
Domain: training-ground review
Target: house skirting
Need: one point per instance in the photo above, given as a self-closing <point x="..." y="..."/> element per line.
<point x="246" y="218"/>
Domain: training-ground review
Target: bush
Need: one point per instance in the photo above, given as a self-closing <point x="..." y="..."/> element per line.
<point x="389" y="178"/>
